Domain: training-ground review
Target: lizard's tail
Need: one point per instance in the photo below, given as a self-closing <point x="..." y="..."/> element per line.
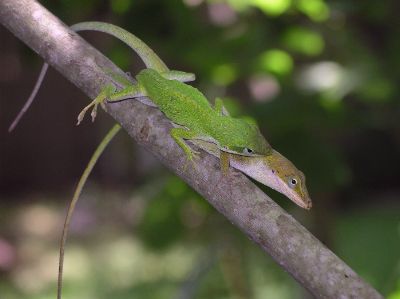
<point x="99" y="150"/>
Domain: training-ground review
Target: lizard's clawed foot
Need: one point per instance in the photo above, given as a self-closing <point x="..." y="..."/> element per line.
<point x="194" y="155"/>
<point x="99" y="100"/>
<point x="93" y="114"/>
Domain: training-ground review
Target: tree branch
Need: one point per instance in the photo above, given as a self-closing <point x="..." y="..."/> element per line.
<point x="235" y="196"/>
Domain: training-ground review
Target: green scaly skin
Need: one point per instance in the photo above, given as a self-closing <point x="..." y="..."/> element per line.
<point x="182" y="104"/>
<point x="188" y="108"/>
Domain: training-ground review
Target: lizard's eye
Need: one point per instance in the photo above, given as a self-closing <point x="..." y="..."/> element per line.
<point x="247" y="151"/>
<point x="292" y="182"/>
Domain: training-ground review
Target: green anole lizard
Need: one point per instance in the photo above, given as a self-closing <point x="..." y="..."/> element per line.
<point x="274" y="171"/>
<point x="246" y="150"/>
<point x="184" y="105"/>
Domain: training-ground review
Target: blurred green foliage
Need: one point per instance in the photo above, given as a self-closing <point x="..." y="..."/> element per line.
<point x="326" y="96"/>
<point x="276" y="62"/>
<point x="303" y="41"/>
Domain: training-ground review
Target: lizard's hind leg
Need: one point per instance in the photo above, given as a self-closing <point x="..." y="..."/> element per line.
<point x="110" y="94"/>
<point x="107" y="91"/>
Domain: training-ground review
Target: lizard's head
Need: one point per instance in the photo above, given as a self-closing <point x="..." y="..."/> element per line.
<point x="289" y="180"/>
<point x="272" y="170"/>
<point x="278" y="173"/>
<point x="249" y="142"/>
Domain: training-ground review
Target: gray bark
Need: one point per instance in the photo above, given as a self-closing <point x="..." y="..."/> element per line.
<point x="235" y="196"/>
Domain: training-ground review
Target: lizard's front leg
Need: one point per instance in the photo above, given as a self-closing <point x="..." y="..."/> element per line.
<point x="224" y="162"/>
<point x="179" y="134"/>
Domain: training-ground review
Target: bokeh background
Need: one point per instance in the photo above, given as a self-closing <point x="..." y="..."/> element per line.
<point x="320" y="77"/>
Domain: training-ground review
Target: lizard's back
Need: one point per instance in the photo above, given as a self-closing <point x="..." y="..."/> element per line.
<point x="181" y="103"/>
